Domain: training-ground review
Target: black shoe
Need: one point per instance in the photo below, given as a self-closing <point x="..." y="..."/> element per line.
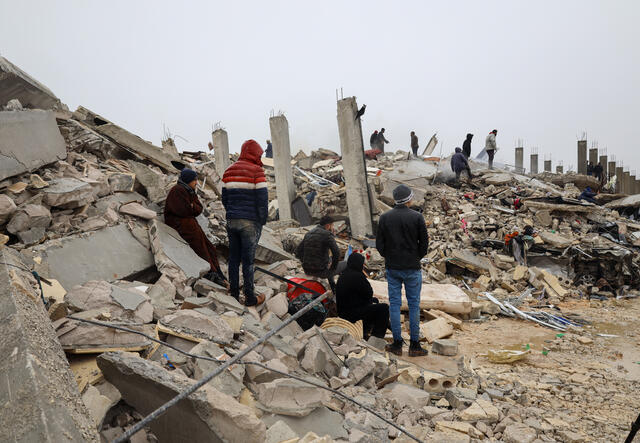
<point x="415" y="350"/>
<point x="395" y="347"/>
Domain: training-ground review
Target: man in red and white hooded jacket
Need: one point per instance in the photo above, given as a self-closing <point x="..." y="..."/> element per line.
<point x="246" y="200"/>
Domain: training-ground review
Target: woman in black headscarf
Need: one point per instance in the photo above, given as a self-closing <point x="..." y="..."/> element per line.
<point x="355" y="300"/>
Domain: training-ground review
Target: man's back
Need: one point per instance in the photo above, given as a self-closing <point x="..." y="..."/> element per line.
<point x="490" y="143"/>
<point x="314" y="249"/>
<point x="402" y="238"/>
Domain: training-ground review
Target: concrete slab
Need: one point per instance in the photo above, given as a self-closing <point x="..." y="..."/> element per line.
<point x="109" y="254"/>
<point x="270" y="248"/>
<point x="68" y="193"/>
<point x="15" y="83"/>
<point x="322" y="421"/>
<point x="168" y="242"/>
<point x="39" y="399"/>
<point x="28" y="141"/>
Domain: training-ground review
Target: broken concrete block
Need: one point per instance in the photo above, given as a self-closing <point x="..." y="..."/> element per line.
<point x="77" y="337"/>
<point x="97" y="404"/>
<point x="33" y="235"/>
<point x="290" y="397"/>
<point x="121" y="182"/>
<point x="137" y="210"/>
<point x="321" y="421"/>
<point x="278" y="304"/>
<point x="162" y="294"/>
<point x="206" y="415"/>
<point x="17" y="84"/>
<point x="193" y="324"/>
<point x="152" y="182"/>
<point x="519" y="433"/>
<point x="109" y="254"/>
<point x="68" y="193"/>
<point x="269" y="248"/>
<point x="445" y="297"/>
<point x="173" y="256"/>
<point x="121" y="304"/>
<point x="229" y="381"/>
<point x="36" y="372"/>
<point x="435" y="329"/>
<point x="460" y="398"/>
<point x="481" y="410"/>
<point x="407" y="396"/>
<point x="445" y="347"/>
<point x="29" y="216"/>
<point x="7" y="208"/>
<point x="520" y="273"/>
<point x="554" y="239"/>
<point x="28" y="141"/>
<point x="279" y="432"/>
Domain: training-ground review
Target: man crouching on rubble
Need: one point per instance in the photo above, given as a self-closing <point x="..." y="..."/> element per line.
<point x="319" y="253"/>
<point x="245" y="198"/>
<point x="402" y="240"/>
<point x="180" y="211"/>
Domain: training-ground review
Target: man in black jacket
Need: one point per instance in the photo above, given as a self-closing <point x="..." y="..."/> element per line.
<point x="466" y="146"/>
<point x="402" y="240"/>
<point x="314" y="249"/>
<point x="355" y="300"/>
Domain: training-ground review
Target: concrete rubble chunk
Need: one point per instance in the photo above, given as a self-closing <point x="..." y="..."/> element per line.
<point x="28" y="141"/>
<point x="28" y="217"/>
<point x="97" y="404"/>
<point x="279" y="432"/>
<point x="290" y="397"/>
<point x="445" y="347"/>
<point x="269" y="248"/>
<point x="435" y="329"/>
<point x="17" y="84"/>
<point x="519" y="433"/>
<point x="108" y="254"/>
<point x="228" y="382"/>
<point x="152" y="182"/>
<point x="68" y="193"/>
<point x="206" y="327"/>
<point x="206" y="415"/>
<point x="77" y="336"/>
<point x="137" y="210"/>
<point x="39" y="399"/>
<point x="460" y="398"/>
<point x="481" y="410"/>
<point x="407" y="396"/>
<point x="7" y="208"/>
<point x="278" y="304"/>
<point x="321" y="421"/>
<point x="162" y="294"/>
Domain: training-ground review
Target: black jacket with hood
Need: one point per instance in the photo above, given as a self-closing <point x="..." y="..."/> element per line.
<point x="466" y="146"/>
<point x="402" y="238"/>
<point x="353" y="291"/>
<point x="459" y="161"/>
<point x="313" y="250"/>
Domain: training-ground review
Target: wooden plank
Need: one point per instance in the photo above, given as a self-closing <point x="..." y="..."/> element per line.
<point x="85" y="370"/>
<point x="164" y="329"/>
<point x="444" y="297"/>
<point x="101" y="349"/>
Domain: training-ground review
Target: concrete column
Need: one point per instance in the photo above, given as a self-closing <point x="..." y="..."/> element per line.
<point x="619" y="179"/>
<point x="547" y="166"/>
<point x="611" y="171"/>
<point x="625" y="182"/>
<point x="593" y="156"/>
<point x="534" y="164"/>
<point x="632" y="184"/>
<point x="520" y="160"/>
<point x="285" y="189"/>
<point x="355" y="168"/>
<point x="637" y="186"/>
<point x="220" y="142"/>
<point x="559" y="169"/>
<point x="582" y="157"/>
<point x="604" y="162"/>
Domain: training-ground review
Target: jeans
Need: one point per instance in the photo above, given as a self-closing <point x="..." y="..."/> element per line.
<point x="491" y="154"/>
<point x="412" y="279"/>
<point x="243" y="241"/>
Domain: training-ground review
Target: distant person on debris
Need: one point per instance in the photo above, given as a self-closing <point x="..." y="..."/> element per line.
<point x="597" y="171"/>
<point x="245" y="198"/>
<point x="459" y="163"/>
<point x="180" y="211"/>
<point x="313" y="251"/>
<point x="590" y="168"/>
<point x="490" y="146"/>
<point x="269" y="152"/>
<point x="414" y="144"/>
<point x="381" y="141"/>
<point x="466" y="146"/>
<point x="355" y="300"/>
<point x="402" y="240"/>
<point x="373" y="140"/>
<point x="588" y="195"/>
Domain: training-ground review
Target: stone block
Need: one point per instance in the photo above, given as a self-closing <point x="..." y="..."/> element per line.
<point x="322" y="421"/>
<point x="7" y="208"/>
<point x="519" y="433"/>
<point x="200" y="326"/>
<point x="481" y="410"/>
<point x="68" y="193"/>
<point x="279" y="432"/>
<point x="435" y="329"/>
<point x="460" y="398"/>
<point x="278" y="304"/>
<point x="290" y="397"/>
<point x="136" y="209"/>
<point x="407" y="396"/>
<point x="229" y="381"/>
<point x="445" y="347"/>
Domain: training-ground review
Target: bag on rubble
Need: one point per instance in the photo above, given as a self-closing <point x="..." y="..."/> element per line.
<point x="299" y="298"/>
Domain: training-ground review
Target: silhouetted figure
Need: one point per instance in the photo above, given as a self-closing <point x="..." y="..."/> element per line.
<point x="491" y="147"/>
<point x="414" y="143"/>
<point x="360" y="113"/>
<point x="590" y="168"/>
<point x="269" y="152"/>
<point x="459" y="163"/>
<point x="381" y="140"/>
<point x="466" y="146"/>
<point x="373" y="140"/>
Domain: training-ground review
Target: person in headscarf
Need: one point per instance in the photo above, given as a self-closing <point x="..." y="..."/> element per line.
<point x="459" y="163"/>
<point x="466" y="146"/>
<point x="180" y="211"/>
<point x="355" y="300"/>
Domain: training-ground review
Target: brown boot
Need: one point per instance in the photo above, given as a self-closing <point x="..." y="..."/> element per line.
<point x="415" y="350"/>
<point x="395" y="347"/>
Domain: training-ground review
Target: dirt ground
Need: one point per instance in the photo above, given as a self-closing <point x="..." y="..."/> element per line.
<point x="587" y="383"/>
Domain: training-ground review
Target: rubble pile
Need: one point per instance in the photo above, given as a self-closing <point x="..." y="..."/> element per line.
<point x="81" y="205"/>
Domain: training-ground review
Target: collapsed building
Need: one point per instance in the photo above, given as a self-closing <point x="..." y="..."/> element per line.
<point x="107" y="317"/>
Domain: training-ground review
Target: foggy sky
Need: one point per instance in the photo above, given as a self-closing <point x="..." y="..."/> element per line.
<point x="542" y="71"/>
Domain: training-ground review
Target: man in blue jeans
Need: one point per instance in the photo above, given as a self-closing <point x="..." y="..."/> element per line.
<point x="245" y="198"/>
<point x="402" y="240"/>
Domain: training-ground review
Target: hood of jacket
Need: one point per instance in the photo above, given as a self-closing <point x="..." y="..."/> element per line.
<point x="469" y="137"/>
<point x="458" y="150"/>
<point x="355" y="261"/>
<point x="251" y="152"/>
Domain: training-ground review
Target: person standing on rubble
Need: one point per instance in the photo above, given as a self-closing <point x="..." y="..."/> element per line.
<point x="314" y="249"/>
<point x="414" y="144"/>
<point x="373" y="140"/>
<point x="355" y="300"/>
<point x="491" y="147"/>
<point x="459" y="163"/>
<point x="245" y="198"/>
<point x="402" y="240"/>
<point x="466" y="146"/>
<point x="269" y="152"/>
<point x="381" y="140"/>
<point x="181" y="208"/>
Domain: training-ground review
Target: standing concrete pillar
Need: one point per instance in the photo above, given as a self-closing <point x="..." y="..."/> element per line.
<point x="611" y="170"/>
<point x="285" y="190"/>
<point x="220" y="142"/>
<point x="604" y="163"/>
<point x="547" y="166"/>
<point x="355" y="168"/>
<point x="534" y="164"/>
<point x="631" y="180"/>
<point x="520" y="160"/>
<point x="625" y="182"/>
<point x="559" y="169"/>
<point x="637" y="188"/>
<point x="593" y="156"/>
<point x="582" y="157"/>
<point x="619" y="179"/>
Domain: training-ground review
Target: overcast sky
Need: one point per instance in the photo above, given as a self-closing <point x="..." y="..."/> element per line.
<point x="543" y="71"/>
